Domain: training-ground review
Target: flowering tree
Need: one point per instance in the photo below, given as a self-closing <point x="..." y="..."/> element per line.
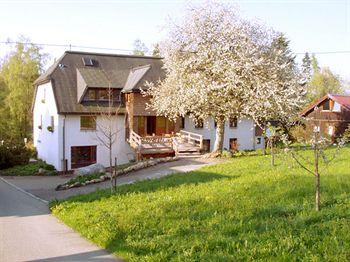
<point x="220" y="66"/>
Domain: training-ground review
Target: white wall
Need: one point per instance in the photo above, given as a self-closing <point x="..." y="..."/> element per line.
<point x="244" y="132"/>
<point x="50" y="144"/>
<point x="76" y="137"/>
<point x="46" y="142"/>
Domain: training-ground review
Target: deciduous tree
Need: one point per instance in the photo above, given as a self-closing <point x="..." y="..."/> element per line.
<point x="321" y="82"/>
<point x="19" y="70"/>
<point x="140" y="48"/>
<point x="221" y="66"/>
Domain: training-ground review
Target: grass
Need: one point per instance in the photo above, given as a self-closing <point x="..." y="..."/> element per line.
<point x="30" y="169"/>
<point x="240" y="210"/>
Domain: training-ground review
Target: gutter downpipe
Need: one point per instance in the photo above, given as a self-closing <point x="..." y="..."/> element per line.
<point x="64" y="144"/>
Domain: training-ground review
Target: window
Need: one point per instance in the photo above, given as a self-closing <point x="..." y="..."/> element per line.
<point x="91" y="95"/>
<point x="233" y="122"/>
<point x="87" y="123"/>
<point x="88" y="61"/>
<point x="326" y="106"/>
<point x="182" y="123"/>
<point x="82" y="156"/>
<point x="258" y="140"/>
<point x="94" y="94"/>
<point x="198" y="123"/>
<point x="103" y="95"/>
<point x="233" y="144"/>
<point x="206" y="145"/>
<point x="116" y="95"/>
<point x="336" y="107"/>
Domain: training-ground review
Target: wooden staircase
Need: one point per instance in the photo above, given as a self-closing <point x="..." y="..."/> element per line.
<point x="188" y="144"/>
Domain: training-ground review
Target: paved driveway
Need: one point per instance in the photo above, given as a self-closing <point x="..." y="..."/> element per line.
<point x="44" y="187"/>
<point x="28" y="232"/>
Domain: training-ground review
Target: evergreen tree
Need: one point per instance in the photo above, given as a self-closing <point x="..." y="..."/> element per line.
<point x="156" y="51"/>
<point x="306" y="67"/>
<point x="314" y="64"/>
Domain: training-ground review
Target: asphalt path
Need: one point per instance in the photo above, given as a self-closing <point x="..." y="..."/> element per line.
<point x="29" y="233"/>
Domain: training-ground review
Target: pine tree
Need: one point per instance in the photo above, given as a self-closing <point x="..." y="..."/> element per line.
<point x="306" y="67"/>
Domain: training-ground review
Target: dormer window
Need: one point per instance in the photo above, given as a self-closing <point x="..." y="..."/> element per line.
<point x="102" y="95"/>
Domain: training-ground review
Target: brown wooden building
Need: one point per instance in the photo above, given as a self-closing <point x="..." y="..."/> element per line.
<point x="330" y="114"/>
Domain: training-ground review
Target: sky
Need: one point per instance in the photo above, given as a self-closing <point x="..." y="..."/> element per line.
<point x="320" y="27"/>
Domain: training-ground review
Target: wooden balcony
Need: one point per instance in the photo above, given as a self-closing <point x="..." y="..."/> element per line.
<point x="168" y="145"/>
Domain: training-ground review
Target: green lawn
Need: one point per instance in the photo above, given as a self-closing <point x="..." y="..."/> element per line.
<point x="240" y="210"/>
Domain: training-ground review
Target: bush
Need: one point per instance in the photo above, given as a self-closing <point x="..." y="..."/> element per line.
<point x="12" y="154"/>
<point x="30" y="169"/>
<point x="32" y="149"/>
<point x="226" y="154"/>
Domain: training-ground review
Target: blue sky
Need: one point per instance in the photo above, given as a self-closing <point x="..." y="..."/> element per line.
<point x="311" y="26"/>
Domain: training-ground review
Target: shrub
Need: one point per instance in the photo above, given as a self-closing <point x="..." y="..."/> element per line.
<point x="226" y="154"/>
<point x="12" y="154"/>
<point x="30" y="169"/>
<point x="32" y="149"/>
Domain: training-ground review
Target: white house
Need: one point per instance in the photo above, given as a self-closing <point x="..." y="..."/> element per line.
<point x="72" y="99"/>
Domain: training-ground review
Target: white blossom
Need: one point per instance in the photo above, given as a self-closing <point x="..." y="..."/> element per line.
<point x="221" y="66"/>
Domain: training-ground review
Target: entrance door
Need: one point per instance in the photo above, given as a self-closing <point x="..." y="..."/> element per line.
<point x="151" y="125"/>
<point x="82" y="156"/>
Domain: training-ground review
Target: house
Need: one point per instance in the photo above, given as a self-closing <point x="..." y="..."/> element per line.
<point x="329" y="115"/>
<point x="72" y="96"/>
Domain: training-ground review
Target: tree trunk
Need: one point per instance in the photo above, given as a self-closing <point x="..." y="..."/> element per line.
<point x="318" y="193"/>
<point x="317" y="180"/>
<point x="110" y="162"/>
<point x="272" y="152"/>
<point x="219" y="140"/>
<point x="115" y="174"/>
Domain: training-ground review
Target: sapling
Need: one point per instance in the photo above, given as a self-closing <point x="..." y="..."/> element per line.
<point x="319" y="144"/>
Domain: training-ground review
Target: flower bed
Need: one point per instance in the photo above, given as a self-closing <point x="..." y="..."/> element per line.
<point x="83" y="180"/>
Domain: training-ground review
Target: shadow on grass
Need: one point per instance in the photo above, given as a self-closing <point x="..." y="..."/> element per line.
<point x="152" y="185"/>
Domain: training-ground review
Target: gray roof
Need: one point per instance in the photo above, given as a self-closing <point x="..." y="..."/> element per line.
<point x="135" y="75"/>
<point x="94" y="77"/>
<point x="121" y="71"/>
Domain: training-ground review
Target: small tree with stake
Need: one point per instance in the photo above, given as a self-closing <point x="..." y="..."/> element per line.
<point x="319" y="145"/>
<point x="107" y="132"/>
